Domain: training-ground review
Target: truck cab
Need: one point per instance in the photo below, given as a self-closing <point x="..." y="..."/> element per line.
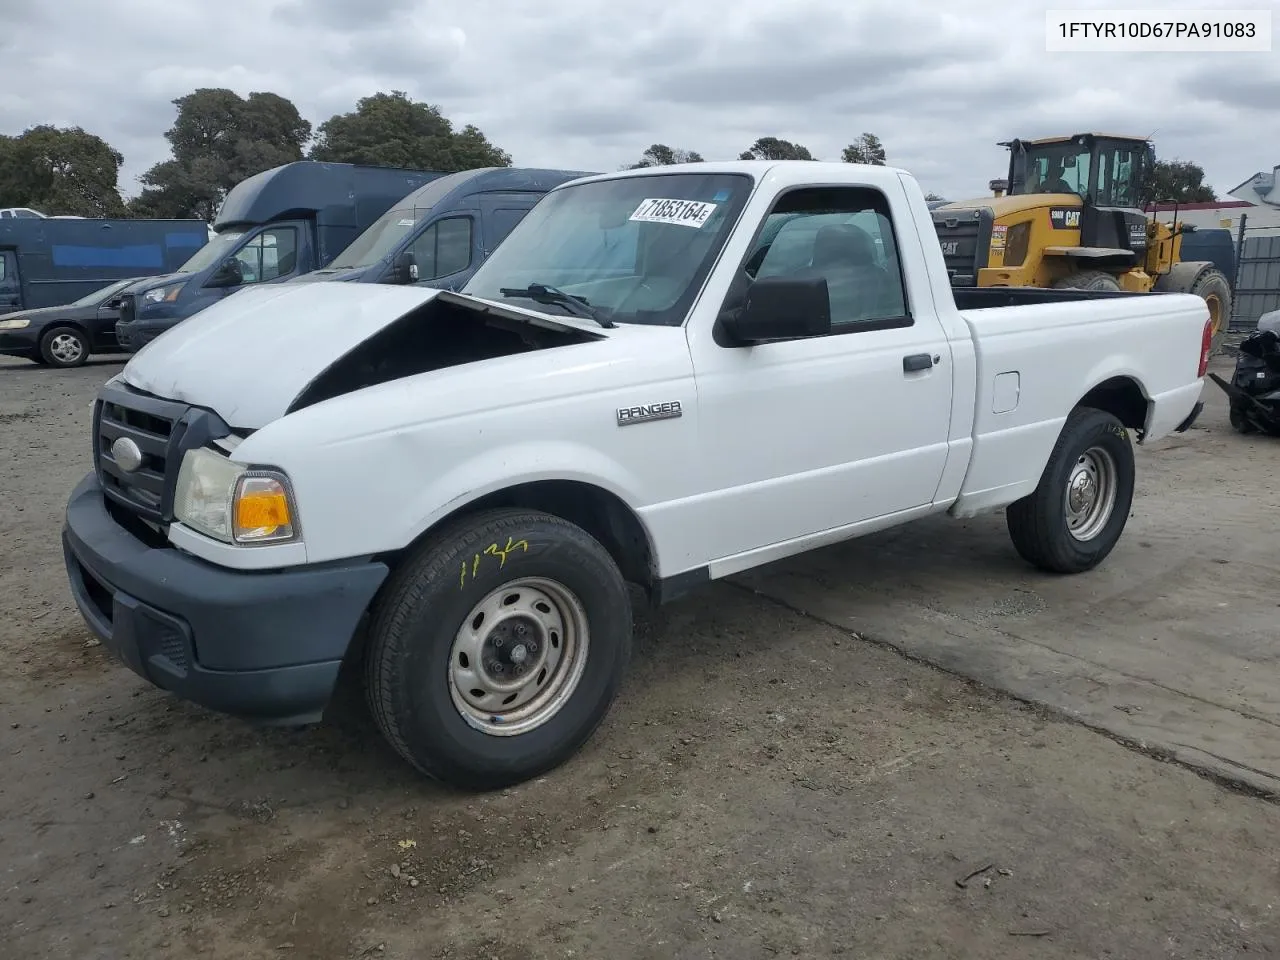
<point x="440" y="234"/>
<point x="271" y="228"/>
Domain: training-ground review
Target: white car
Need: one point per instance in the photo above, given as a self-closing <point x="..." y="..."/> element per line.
<point x="662" y="376"/>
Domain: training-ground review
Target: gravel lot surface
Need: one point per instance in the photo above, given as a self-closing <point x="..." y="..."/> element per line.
<point x="776" y="779"/>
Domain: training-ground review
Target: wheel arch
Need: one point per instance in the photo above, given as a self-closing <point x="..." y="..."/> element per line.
<point x="599" y="511"/>
<point x="1122" y="396"/>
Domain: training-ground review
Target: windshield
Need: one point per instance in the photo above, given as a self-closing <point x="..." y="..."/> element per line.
<point x="102" y="293"/>
<point x="215" y="251"/>
<point x="636" y="249"/>
<point x="389" y="230"/>
<point x="1054" y="168"/>
<point x="381" y="238"/>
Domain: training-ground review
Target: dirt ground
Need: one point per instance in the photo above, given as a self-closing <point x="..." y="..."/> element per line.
<point x="776" y="780"/>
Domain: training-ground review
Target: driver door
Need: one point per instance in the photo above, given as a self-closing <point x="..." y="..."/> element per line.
<point x="447" y="253"/>
<point x="815" y="434"/>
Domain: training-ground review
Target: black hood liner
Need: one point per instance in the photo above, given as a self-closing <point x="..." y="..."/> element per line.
<point x="441" y="333"/>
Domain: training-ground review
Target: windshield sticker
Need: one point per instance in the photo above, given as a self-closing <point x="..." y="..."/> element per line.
<point x="686" y="213"/>
<point x="407" y="222"/>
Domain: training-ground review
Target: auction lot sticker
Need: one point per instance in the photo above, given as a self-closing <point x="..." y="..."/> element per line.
<point x="686" y="213"/>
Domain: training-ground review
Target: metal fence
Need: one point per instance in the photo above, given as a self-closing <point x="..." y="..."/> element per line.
<point x="1257" y="287"/>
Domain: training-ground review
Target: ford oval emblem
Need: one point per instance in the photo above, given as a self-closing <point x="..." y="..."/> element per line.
<point x="126" y="454"/>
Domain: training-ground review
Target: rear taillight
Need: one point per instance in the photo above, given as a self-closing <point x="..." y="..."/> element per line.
<point x="1206" y="347"/>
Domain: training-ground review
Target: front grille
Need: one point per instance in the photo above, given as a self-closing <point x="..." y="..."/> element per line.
<point x="163" y="431"/>
<point x="965" y="236"/>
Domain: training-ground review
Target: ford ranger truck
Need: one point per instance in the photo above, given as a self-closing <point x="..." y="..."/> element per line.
<point x="662" y="377"/>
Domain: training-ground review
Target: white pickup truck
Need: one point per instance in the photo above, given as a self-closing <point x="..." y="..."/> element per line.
<point x="661" y="377"/>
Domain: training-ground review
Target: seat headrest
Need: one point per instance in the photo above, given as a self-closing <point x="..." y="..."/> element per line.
<point x="843" y="244"/>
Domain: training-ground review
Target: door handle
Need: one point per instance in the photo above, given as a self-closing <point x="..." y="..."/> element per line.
<point x="916" y="361"/>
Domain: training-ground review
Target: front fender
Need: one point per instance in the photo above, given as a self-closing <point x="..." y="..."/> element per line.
<point x="492" y="471"/>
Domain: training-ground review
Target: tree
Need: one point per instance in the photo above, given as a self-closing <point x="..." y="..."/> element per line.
<point x="1179" y="180"/>
<point x="60" y="172"/>
<point x="218" y="140"/>
<point x="771" y="148"/>
<point x="866" y="149"/>
<point x="660" y="155"/>
<point x="930" y="197"/>
<point x="389" y="129"/>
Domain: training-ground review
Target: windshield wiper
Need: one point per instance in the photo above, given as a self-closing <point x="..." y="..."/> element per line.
<point x="541" y="293"/>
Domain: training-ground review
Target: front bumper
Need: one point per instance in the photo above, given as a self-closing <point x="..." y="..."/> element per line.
<point x="263" y="645"/>
<point x="20" y="343"/>
<point x="133" y="335"/>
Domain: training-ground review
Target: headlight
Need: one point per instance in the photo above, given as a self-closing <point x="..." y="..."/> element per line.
<point x="229" y="502"/>
<point x="14" y="323"/>
<point x="166" y="294"/>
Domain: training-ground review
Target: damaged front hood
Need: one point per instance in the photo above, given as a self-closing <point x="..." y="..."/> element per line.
<point x="249" y="356"/>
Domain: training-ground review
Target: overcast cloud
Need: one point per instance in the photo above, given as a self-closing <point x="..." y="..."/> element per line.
<point x="583" y="84"/>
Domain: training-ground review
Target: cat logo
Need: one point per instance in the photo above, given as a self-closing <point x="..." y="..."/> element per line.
<point x="1063" y="218"/>
<point x="950" y="247"/>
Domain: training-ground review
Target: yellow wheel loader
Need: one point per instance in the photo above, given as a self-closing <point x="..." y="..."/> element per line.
<point x="1071" y="215"/>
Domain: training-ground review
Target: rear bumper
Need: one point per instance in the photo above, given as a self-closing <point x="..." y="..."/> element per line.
<point x="264" y="645"/>
<point x="1191" y="418"/>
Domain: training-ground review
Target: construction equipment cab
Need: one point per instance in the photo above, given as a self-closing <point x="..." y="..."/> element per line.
<point x="1073" y="216"/>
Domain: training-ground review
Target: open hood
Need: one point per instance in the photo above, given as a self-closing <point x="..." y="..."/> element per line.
<point x="250" y="356"/>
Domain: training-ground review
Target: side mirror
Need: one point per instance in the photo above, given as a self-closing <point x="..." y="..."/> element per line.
<point x="230" y="274"/>
<point x="780" y="308"/>
<point x="405" y="269"/>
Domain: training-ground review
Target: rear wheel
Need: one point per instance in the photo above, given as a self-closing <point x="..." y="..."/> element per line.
<point x="497" y="648"/>
<point x="1075" y="517"/>
<point x="64" y="346"/>
<point x="1204" y="280"/>
<point x="1088" y="280"/>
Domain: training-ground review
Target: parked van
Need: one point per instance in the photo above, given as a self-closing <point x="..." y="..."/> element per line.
<point x="440" y="234"/>
<point x="51" y="261"/>
<point x="272" y="227"/>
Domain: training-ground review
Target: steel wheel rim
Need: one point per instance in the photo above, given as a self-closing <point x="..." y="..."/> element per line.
<point x="66" y="347"/>
<point x="1091" y="491"/>
<point x="518" y="656"/>
<point x="1215" y="312"/>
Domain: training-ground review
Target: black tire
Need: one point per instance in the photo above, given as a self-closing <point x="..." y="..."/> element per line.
<point x="1088" y="280"/>
<point x="1239" y="421"/>
<point x="1038" y="523"/>
<point x="410" y="658"/>
<point x="64" y="346"/>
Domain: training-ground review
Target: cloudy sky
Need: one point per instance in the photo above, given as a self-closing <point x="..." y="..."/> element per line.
<point x="587" y="84"/>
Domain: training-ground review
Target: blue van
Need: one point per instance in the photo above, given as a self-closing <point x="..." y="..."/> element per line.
<point x="439" y="235"/>
<point x="271" y="227"/>
<point x="51" y="261"/>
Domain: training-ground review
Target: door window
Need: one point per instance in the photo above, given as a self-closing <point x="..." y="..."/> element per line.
<point x="503" y="221"/>
<point x="443" y="249"/>
<point x="271" y="254"/>
<point x="845" y="236"/>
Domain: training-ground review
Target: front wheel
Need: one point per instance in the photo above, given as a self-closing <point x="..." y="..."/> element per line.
<point x="497" y="648"/>
<point x="64" y="347"/>
<point x="1075" y="517"/>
